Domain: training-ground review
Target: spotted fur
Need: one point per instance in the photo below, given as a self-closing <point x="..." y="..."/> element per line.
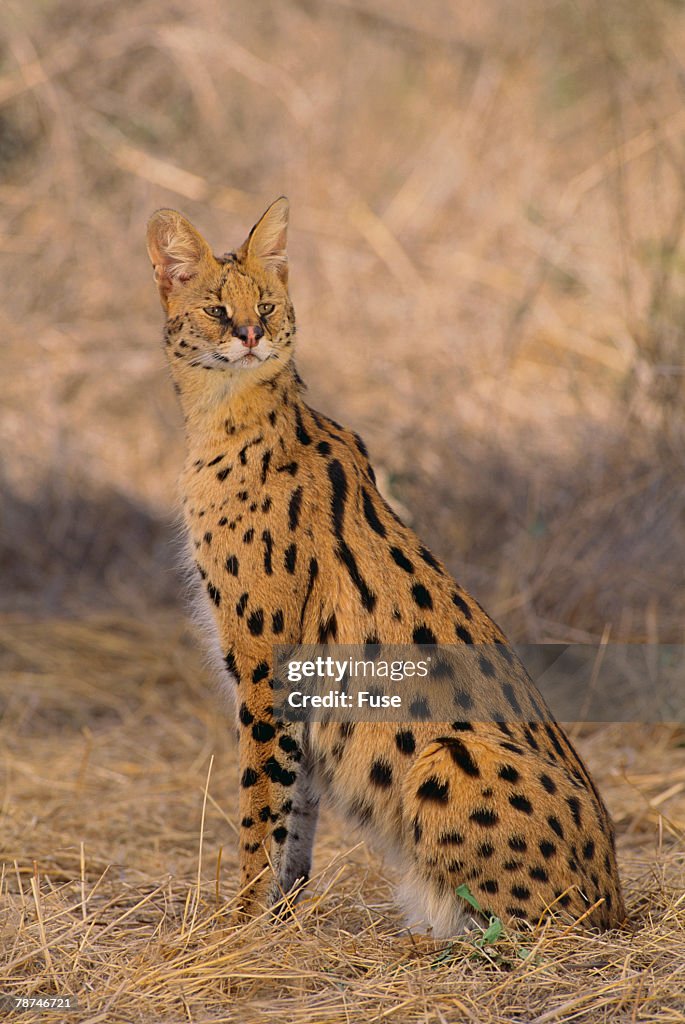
<point x="293" y="543"/>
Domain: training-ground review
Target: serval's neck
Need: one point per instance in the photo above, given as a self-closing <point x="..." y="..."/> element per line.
<point x="225" y="413"/>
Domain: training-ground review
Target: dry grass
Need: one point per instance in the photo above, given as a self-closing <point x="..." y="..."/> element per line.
<point x="488" y="211"/>
<point x="112" y="876"/>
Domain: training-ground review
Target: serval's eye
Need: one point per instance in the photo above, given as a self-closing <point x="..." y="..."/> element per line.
<point x="218" y="312"/>
<point x="265" y="308"/>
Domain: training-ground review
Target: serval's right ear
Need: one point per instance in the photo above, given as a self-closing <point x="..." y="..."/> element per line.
<point x="176" y="251"/>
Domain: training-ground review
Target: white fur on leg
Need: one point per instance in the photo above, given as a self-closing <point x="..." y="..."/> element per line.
<point x="427" y="910"/>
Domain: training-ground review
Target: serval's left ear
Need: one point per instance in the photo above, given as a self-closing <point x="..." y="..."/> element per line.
<point x="176" y="250"/>
<point x="268" y="239"/>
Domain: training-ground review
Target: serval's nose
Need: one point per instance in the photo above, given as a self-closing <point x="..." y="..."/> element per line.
<point x="249" y="335"/>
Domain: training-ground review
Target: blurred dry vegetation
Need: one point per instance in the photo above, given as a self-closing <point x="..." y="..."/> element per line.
<point x="488" y="209"/>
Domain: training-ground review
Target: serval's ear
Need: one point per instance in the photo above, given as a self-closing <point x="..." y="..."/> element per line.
<point x="268" y="239"/>
<point x="176" y="250"/>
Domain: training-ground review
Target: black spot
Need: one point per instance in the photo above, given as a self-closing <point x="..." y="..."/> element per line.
<point x="249" y="778"/>
<point x="267" y="540"/>
<point x="277" y="622"/>
<point x="530" y="739"/>
<point x="255" y="622"/>
<point x="363" y="812"/>
<point x="508" y="773"/>
<point x="423" y="635"/>
<point x="294" y="508"/>
<point x="272" y="417"/>
<point x="262" y="732"/>
<point x="538" y="874"/>
<point x="419" y="709"/>
<point x="248" y="536"/>
<point x="381" y="774"/>
<point x="242" y="605"/>
<point x="232" y="565"/>
<point x="368" y="598"/>
<point x="434" y="790"/>
<point x="266" y="459"/>
<point x="463" y="700"/>
<point x="486" y="667"/>
<point x="547" y="849"/>
<point x="490" y="886"/>
<point x="512" y="865"/>
<point x="401" y="559"/>
<point x="520" y="892"/>
<point x="208" y="538"/>
<point x="243" y="495"/>
<point x="430" y="559"/>
<point x="290" y="558"/>
<point x="574" y="806"/>
<point x="372" y="516"/>
<point x="313" y="573"/>
<point x="302" y="435"/>
<point x="461" y="755"/>
<point x="361" y="447"/>
<point x="508" y="691"/>
<point x="247" y="823"/>
<point x="328" y="630"/>
<point x="245" y="715"/>
<point x="277" y="773"/>
<point x="555" y="825"/>
<point x="266" y="504"/>
<point x="484" y="816"/>
<point x="290" y="467"/>
<point x="229" y="661"/>
<point x="548" y="784"/>
<point x="406" y="744"/>
<point x="461" y="604"/>
<point x="214" y="594"/>
<point x="418" y="831"/>
<point x="370" y="643"/>
<point x="521" y="803"/>
<point x="288" y="744"/>
<point x="260" y="672"/>
<point x="223" y="473"/>
<point x="517" y="912"/>
<point x="462" y="726"/>
<point x="280" y="834"/>
<point x="264" y="813"/>
<point x="554" y="739"/>
<point x="421" y="596"/>
<point x="450" y="839"/>
<point x="323" y="448"/>
<point x="338" y="479"/>
<point x="486" y="850"/>
<point x="589" y="850"/>
<point x="511" y="747"/>
<point x="222" y="521"/>
<point x="504" y="651"/>
<point x="518" y="843"/>
<point x="463" y="633"/>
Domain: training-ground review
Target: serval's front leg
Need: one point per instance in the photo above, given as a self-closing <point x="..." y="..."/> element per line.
<point x="277" y="812"/>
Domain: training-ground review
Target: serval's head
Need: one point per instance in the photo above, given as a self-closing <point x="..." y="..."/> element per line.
<point x="230" y="314"/>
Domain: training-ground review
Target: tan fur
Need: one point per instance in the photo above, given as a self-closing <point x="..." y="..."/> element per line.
<point x="294" y="544"/>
